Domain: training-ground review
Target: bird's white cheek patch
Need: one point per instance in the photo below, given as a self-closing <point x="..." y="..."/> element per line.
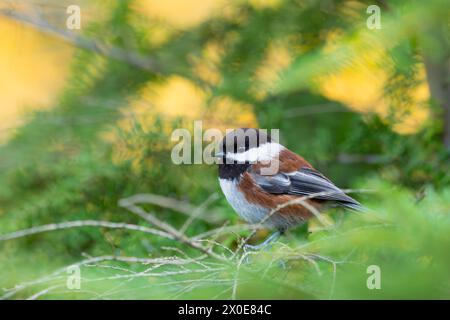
<point x="265" y="152"/>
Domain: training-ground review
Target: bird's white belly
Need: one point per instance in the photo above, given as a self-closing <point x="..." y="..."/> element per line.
<point x="249" y="212"/>
<point x="253" y="213"/>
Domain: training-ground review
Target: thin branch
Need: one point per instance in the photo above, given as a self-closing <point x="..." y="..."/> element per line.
<point x="168" y="203"/>
<point x="82" y="223"/>
<point x="199" y="211"/>
<point x="43" y="292"/>
<point x="236" y="275"/>
<point x="226" y="230"/>
<point x="129" y="205"/>
<point x="95" y="260"/>
<point x="132" y="58"/>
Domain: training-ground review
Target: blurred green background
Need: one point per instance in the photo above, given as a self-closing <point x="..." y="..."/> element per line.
<point x="86" y="118"/>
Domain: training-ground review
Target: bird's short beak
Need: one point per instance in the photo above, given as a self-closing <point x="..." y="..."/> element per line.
<point x="219" y="154"/>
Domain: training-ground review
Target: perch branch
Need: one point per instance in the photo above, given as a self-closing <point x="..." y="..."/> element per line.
<point x="129" y="205"/>
<point x="183" y="207"/>
<point x="82" y="223"/>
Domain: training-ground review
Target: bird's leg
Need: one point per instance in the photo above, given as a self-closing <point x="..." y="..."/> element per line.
<point x="266" y="243"/>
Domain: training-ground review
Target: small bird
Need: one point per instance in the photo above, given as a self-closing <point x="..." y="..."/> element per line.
<point x="254" y="194"/>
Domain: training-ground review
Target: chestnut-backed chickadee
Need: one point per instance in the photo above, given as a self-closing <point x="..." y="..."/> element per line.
<point x="254" y="194"/>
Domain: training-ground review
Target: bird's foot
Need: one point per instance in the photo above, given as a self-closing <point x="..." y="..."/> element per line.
<point x="265" y="245"/>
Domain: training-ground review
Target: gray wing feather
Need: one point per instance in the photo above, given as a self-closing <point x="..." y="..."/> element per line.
<point x="305" y="182"/>
<point x="278" y="184"/>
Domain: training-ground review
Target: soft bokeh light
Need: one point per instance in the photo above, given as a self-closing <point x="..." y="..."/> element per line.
<point x="33" y="67"/>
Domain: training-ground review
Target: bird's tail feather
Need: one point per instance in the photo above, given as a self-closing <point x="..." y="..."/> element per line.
<point x="356" y="206"/>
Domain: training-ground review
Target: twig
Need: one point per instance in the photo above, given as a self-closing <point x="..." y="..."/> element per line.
<point x="183" y="207"/>
<point x="236" y="275"/>
<point x="83" y="223"/>
<point x="129" y="205"/>
<point x="225" y="230"/>
<point x="159" y="274"/>
<point x="131" y="58"/>
<point x="199" y="211"/>
<point x="91" y="260"/>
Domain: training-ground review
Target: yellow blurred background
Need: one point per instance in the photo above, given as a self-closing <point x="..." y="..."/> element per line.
<point x="34" y="68"/>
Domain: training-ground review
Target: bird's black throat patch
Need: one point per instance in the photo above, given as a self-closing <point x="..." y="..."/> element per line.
<point x="232" y="171"/>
